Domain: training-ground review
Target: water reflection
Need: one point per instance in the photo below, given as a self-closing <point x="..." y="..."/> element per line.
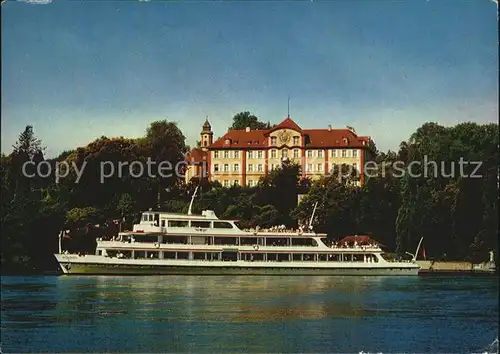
<point x="246" y="313"/>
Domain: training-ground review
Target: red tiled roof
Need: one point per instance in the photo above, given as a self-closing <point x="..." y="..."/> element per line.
<point x="242" y="139"/>
<point x="315" y="138"/>
<point x="318" y="138"/>
<point x="196" y="155"/>
<point x="288" y="123"/>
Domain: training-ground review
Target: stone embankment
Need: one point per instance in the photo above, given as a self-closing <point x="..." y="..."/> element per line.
<point x="455" y="267"/>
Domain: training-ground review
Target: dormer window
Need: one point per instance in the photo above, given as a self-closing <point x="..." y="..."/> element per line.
<point x="227" y="141"/>
<point x="345" y="140"/>
<point x="273" y="140"/>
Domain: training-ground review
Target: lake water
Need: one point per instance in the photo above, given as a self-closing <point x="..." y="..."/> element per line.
<point x="249" y="314"/>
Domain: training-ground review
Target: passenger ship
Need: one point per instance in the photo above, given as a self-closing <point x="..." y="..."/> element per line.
<point x="172" y="243"/>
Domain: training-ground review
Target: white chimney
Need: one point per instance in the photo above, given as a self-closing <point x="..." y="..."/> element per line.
<point x="329" y="128"/>
<point x="247" y="129"/>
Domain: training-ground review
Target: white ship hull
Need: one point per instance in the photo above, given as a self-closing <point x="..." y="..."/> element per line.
<point x="93" y="264"/>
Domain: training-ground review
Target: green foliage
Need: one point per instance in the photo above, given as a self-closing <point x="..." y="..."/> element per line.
<point x="456" y="215"/>
<point x="245" y="119"/>
<point x="78" y="217"/>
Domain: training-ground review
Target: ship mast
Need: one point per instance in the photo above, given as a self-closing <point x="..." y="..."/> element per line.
<point x="192" y="200"/>
<point x="312" y="216"/>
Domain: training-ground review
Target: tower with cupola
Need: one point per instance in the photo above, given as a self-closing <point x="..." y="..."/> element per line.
<point x="206" y="136"/>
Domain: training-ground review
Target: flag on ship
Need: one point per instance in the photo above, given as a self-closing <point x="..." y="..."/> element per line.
<point x="423" y="253"/>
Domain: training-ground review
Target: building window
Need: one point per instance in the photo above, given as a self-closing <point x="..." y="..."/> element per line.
<point x="226" y="167"/>
<point x="216" y="154"/>
<point x="355" y="166"/>
<point x="309" y="153"/>
<point x="250" y="183"/>
<point x="284" y="154"/>
<point x="344" y="153"/>
<point x="273" y="153"/>
<point x="216" y="167"/>
<point x="296" y="153"/>
<point x="259" y="154"/>
<point x="260" y="167"/>
<point x="354" y="153"/>
<point x="225" y="183"/>
<point x="250" y="154"/>
<point x="272" y="166"/>
<point x="236" y="182"/>
<point x="320" y="167"/>
<point x="236" y="154"/>
<point x="226" y="154"/>
<point x="309" y="167"/>
<point x="236" y="167"/>
<point x="320" y="153"/>
<point x="295" y="140"/>
<point x="273" y="140"/>
<point x="250" y="167"/>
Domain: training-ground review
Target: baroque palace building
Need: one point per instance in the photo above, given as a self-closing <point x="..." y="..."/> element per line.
<point x="242" y="157"/>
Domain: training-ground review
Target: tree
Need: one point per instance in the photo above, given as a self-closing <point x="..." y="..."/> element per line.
<point x="164" y="143"/>
<point x="27" y="143"/>
<point x="125" y="205"/>
<point x="245" y="119"/>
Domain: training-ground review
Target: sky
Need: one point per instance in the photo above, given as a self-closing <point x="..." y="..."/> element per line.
<point x="78" y="70"/>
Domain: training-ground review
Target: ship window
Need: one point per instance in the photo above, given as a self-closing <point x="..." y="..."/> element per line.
<point x="358" y="258"/>
<point x="322" y="257"/>
<point x="169" y="255"/>
<point x="175" y="239"/>
<point x="183" y="255"/>
<point x="226" y="241"/>
<point x="177" y="223"/>
<point x="333" y="258"/>
<point x="214" y="256"/>
<point x="256" y="257"/>
<point x="297" y="257"/>
<point x="309" y="257"/>
<point x="202" y="224"/>
<point x="144" y="217"/>
<point x="272" y="257"/>
<point x="274" y="241"/>
<point x="230" y="256"/>
<point x="248" y="241"/>
<point x="163" y="223"/>
<point x="153" y="255"/>
<point x="347" y="257"/>
<point x="199" y="255"/>
<point x="298" y="241"/>
<point x="146" y="238"/>
<point x="139" y="254"/>
<point x="222" y="225"/>
<point x="283" y="257"/>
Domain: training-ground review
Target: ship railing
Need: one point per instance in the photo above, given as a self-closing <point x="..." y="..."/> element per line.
<point x="279" y="230"/>
<point x="355" y="247"/>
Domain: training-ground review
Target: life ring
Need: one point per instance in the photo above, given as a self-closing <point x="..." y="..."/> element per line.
<point x="256" y="247"/>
